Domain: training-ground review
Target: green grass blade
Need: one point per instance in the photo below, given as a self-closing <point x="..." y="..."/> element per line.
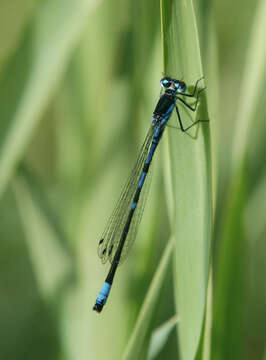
<point x="11" y="31"/>
<point x="253" y="82"/>
<point x="206" y="348"/>
<point x="50" y="261"/>
<point x="257" y="205"/>
<point x="234" y="254"/>
<point x="49" y="47"/>
<point x="228" y="301"/>
<point x="190" y="162"/>
<point x="136" y="340"/>
<point x="160" y="336"/>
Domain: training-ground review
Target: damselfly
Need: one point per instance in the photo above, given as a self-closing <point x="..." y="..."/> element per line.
<point x="121" y="228"/>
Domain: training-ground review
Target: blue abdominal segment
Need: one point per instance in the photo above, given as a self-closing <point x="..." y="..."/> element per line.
<point x="102" y="297"/>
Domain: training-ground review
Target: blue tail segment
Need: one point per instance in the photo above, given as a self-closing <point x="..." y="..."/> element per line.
<point x="102" y="297"/>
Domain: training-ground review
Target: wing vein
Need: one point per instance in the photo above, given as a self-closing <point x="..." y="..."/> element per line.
<point x="112" y="233"/>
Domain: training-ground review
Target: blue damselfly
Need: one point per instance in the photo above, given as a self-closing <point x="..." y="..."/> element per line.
<point x="121" y="228"/>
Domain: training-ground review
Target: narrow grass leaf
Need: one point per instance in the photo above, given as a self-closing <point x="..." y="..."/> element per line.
<point x="230" y="290"/>
<point x="206" y="350"/>
<point x="57" y="26"/>
<point x="50" y="262"/>
<point x="255" y="225"/>
<point x="190" y="162"/>
<point x="253" y="82"/>
<point x="160" y="336"/>
<point x="136" y="340"/>
<point x="12" y="31"/>
<point x="228" y="329"/>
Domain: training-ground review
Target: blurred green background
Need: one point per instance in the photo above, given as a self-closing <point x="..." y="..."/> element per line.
<point x="78" y="83"/>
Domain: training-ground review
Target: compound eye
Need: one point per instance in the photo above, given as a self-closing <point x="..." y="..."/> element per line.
<point x="177" y="84"/>
<point x="165" y="83"/>
<point x="182" y="87"/>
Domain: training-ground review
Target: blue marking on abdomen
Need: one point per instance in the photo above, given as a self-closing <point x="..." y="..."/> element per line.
<point x="157" y="132"/>
<point x="169" y="111"/>
<point x="133" y="206"/>
<point x="142" y="178"/>
<point x="167" y="114"/>
<point x="149" y="158"/>
<point x="102" y="297"/>
<point x="153" y="146"/>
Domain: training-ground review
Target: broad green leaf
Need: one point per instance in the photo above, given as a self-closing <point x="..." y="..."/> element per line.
<point x="190" y="163"/>
<point x="55" y="31"/>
